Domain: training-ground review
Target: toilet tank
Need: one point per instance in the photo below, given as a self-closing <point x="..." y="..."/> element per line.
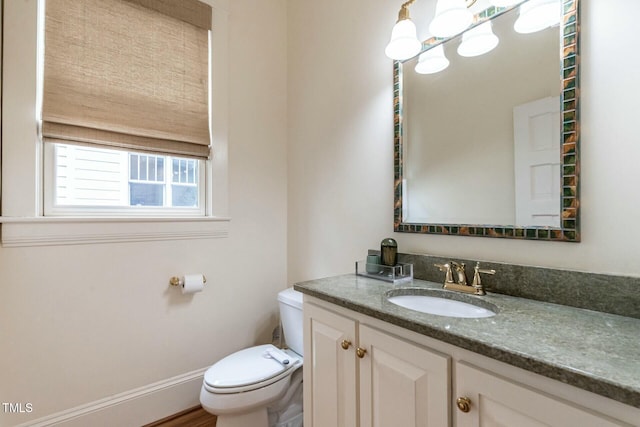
<point x="290" y="302"/>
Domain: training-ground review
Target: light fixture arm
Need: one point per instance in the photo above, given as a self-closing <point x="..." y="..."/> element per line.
<point x="404" y="9"/>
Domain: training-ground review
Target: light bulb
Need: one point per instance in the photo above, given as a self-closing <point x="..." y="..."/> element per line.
<point x="404" y="42"/>
<point x="478" y="41"/>
<point x="536" y="15"/>
<point x="432" y="61"/>
<point x="452" y="17"/>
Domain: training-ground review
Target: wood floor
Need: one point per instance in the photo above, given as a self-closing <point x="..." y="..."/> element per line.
<point x="194" y="417"/>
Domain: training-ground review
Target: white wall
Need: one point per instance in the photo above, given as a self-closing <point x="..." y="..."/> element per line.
<point x="340" y="144"/>
<point x="81" y="323"/>
<point x="340" y="133"/>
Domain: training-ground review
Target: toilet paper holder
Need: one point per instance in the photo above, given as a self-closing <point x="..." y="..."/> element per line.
<point x="179" y="281"/>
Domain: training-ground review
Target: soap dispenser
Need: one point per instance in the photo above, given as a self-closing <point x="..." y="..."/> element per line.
<point x="389" y="252"/>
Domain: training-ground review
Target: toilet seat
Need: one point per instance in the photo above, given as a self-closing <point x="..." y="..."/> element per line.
<point x="249" y="369"/>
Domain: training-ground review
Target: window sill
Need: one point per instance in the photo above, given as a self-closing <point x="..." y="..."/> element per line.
<point x="52" y="231"/>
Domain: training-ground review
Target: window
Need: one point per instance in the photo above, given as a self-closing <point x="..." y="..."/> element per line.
<point x="86" y="179"/>
<point x="28" y="165"/>
<point x="125" y="131"/>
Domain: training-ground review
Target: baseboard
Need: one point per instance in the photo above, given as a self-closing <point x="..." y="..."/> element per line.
<point x="132" y="408"/>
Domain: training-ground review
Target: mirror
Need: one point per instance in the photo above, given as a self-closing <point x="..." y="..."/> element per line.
<point x="489" y="146"/>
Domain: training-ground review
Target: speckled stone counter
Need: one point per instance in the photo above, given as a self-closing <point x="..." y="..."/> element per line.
<point x="595" y="351"/>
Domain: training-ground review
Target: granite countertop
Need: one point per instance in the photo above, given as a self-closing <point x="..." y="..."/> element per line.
<point x="594" y="351"/>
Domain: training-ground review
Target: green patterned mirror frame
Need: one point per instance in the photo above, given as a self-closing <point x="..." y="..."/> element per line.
<point x="569" y="231"/>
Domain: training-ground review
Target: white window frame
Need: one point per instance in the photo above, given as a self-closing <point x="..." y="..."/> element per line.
<point x="23" y="153"/>
<point x="52" y="209"/>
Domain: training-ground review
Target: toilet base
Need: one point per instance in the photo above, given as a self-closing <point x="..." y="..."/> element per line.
<point x="257" y="418"/>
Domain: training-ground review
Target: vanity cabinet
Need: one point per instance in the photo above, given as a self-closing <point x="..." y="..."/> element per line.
<point x="497" y="401"/>
<point x="357" y="375"/>
<point x="401" y="383"/>
<point x="329" y="369"/>
<point x="363" y="372"/>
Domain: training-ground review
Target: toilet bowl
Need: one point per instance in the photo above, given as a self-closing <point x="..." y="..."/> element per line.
<point x="242" y="387"/>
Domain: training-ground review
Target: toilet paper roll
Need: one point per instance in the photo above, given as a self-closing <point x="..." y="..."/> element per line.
<point x="192" y="283"/>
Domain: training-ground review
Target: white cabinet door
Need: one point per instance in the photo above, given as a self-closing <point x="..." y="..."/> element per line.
<point x="497" y="402"/>
<point x="329" y="369"/>
<point x="401" y="384"/>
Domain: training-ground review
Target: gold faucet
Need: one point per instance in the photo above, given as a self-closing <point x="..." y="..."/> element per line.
<point x="461" y="285"/>
<point x="459" y="268"/>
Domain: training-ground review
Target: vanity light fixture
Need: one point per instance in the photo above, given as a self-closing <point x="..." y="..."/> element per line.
<point x="452" y="17"/>
<point x="478" y="40"/>
<point x="432" y="61"/>
<point x="536" y="15"/>
<point x="404" y="43"/>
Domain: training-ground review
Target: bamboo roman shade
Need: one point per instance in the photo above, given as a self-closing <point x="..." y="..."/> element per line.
<point x="128" y="74"/>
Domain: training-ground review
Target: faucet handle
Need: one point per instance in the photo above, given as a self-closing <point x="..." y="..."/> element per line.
<point x="477" y="282"/>
<point x="446" y="268"/>
<point x="484" y="270"/>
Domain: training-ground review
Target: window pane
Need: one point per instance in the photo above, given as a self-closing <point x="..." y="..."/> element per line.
<point x="183" y="170"/>
<point x="176" y="170"/>
<point x="160" y="169"/>
<point x="147" y="168"/>
<point x="152" y="168"/>
<point x="184" y="195"/>
<point x="192" y="172"/>
<point x="133" y="162"/>
<point x="143" y="168"/>
<point x="146" y="194"/>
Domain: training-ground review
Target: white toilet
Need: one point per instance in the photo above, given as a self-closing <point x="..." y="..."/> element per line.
<point x="259" y="386"/>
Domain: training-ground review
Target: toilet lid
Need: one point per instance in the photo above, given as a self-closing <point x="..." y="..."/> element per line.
<point x="246" y="367"/>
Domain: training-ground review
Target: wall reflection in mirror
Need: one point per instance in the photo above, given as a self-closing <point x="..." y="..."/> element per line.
<point x="487" y="131"/>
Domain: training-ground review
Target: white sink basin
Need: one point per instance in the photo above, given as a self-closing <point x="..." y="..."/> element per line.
<point x="441" y="306"/>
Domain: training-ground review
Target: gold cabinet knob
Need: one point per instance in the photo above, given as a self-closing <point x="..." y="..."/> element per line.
<point x="360" y="352"/>
<point x="345" y="344"/>
<point x="464" y="404"/>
